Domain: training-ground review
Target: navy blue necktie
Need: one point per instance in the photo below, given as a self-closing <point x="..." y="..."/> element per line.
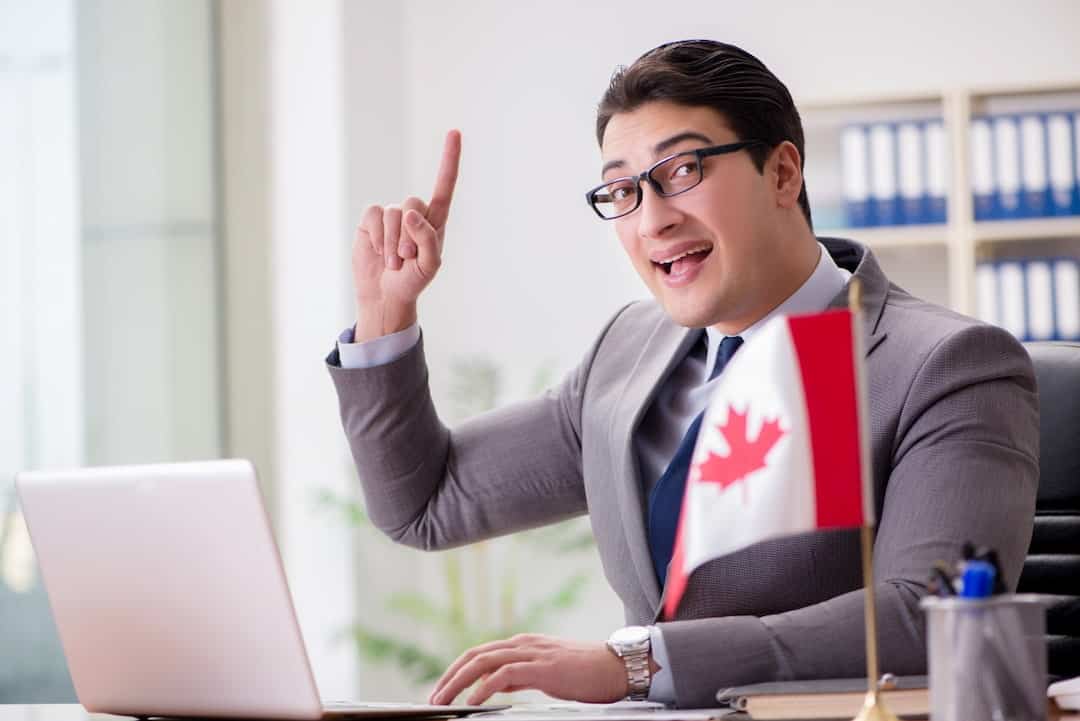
<point x="665" y="501"/>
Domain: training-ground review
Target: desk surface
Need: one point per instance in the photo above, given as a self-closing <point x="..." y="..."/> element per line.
<point x="49" y="712"/>
<point x="75" y="712"/>
<point x="521" y="712"/>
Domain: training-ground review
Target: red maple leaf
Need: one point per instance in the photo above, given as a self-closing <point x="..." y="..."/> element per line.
<point x="744" y="456"/>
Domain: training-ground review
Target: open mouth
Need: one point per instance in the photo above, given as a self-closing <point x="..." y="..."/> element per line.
<point x="684" y="261"/>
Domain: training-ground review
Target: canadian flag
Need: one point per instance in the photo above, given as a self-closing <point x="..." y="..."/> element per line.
<point x="782" y="447"/>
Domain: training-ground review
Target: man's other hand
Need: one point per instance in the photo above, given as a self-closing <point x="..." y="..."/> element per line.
<point x="398" y="250"/>
<point x="570" y="670"/>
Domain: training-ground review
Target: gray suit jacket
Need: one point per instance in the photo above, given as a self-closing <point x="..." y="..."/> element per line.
<point x="954" y="436"/>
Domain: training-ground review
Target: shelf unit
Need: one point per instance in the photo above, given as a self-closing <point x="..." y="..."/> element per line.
<point x="960" y="239"/>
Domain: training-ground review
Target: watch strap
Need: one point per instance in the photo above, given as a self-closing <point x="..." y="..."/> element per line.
<point x="635" y="658"/>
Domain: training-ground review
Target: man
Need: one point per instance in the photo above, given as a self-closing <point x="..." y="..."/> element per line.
<point x="702" y="154"/>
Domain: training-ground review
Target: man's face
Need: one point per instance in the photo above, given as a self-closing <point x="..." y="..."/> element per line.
<point x="704" y="254"/>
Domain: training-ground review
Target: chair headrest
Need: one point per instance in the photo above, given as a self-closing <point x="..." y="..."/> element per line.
<point x="1057" y="370"/>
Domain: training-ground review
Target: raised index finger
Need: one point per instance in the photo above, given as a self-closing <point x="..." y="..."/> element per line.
<point x="439" y="207"/>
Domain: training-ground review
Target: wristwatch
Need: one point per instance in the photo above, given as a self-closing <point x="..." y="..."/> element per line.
<point x="632" y="645"/>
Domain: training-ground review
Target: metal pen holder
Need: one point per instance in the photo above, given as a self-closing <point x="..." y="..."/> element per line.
<point x="987" y="658"/>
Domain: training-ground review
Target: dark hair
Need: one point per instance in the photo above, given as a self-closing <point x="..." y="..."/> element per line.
<point x="707" y="73"/>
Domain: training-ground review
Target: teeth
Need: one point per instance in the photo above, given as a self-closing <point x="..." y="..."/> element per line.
<point x="683" y="255"/>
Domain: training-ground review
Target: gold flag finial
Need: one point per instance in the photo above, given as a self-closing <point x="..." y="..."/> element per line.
<point x="874" y="710"/>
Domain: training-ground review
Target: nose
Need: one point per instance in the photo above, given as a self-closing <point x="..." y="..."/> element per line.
<point x="658" y="215"/>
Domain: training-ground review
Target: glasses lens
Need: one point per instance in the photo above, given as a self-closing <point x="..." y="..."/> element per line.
<point x="616" y="198"/>
<point x="678" y="173"/>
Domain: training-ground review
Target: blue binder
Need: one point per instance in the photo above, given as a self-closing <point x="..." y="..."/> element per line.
<point x="1059" y="145"/>
<point x="982" y="168"/>
<point x="1039" y="300"/>
<point x="911" y="173"/>
<point x="937" y="171"/>
<point x="855" y="156"/>
<point x="1034" y="166"/>
<point x="986" y="293"/>
<point x="1066" y="282"/>
<point x="884" y="190"/>
<point x="1007" y="182"/>
<point x="1076" y="161"/>
<point x="1012" y="298"/>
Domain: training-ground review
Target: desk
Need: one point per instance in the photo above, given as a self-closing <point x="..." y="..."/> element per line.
<point x="75" y="712"/>
<point x="522" y="712"/>
<point x="50" y="712"/>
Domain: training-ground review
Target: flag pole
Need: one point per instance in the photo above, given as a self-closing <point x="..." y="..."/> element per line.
<point x="873" y="708"/>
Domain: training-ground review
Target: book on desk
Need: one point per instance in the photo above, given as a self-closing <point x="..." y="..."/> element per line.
<point x="825" y="698"/>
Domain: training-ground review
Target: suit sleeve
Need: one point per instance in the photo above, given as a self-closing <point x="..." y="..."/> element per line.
<point x="432" y="487"/>
<point x="964" y="467"/>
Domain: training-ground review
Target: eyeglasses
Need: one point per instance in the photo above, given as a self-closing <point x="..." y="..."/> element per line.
<point x="673" y="175"/>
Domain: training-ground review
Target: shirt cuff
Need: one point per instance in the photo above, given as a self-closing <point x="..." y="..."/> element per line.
<point x="378" y="351"/>
<point x="662" y="687"/>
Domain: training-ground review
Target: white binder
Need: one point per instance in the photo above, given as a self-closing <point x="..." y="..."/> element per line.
<point x="986" y="293"/>
<point x="1011" y="296"/>
<point x="1007" y="166"/>
<point x="982" y="168"/>
<point x="1067" y="298"/>
<point x="1034" y="176"/>
<point x="855" y="157"/>
<point x="883" y="191"/>
<point x="1040" y="300"/>
<point x="912" y="174"/>
<point x="1076" y="166"/>
<point x="1062" y="175"/>
<point x="937" y="171"/>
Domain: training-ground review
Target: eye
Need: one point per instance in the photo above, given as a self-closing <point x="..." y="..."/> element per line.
<point x="684" y="168"/>
<point x="621" y="192"/>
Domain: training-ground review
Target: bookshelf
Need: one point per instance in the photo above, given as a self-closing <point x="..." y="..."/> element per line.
<point x="913" y="255"/>
<point x="1035" y="229"/>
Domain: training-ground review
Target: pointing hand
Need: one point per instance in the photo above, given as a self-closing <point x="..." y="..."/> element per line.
<point x="398" y="250"/>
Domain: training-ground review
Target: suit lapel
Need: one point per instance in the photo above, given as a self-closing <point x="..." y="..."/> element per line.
<point x="666" y="347"/>
<point x="875" y="286"/>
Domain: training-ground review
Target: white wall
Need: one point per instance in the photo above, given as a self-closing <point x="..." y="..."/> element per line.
<point x="245" y="129"/>
<point x="308" y="293"/>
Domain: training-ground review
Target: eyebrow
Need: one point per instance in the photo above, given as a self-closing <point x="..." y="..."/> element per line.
<point x="660" y="147"/>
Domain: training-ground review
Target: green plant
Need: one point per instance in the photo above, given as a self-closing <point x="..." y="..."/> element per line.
<point x="442" y="612"/>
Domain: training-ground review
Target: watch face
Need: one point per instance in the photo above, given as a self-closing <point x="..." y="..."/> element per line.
<point x="630" y="635"/>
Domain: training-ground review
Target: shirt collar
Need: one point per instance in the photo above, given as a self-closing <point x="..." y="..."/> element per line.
<point x="827" y="280"/>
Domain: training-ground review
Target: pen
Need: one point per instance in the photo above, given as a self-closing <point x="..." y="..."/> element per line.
<point x="941" y="583"/>
<point x="977" y="579"/>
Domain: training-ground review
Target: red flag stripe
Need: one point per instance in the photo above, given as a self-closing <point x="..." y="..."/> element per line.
<point x="825" y="350"/>
<point x="677" y="578"/>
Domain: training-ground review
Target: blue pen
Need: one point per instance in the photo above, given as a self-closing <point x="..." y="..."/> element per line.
<point x="977" y="579"/>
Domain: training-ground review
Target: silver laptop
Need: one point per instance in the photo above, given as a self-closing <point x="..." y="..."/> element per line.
<point x="170" y="598"/>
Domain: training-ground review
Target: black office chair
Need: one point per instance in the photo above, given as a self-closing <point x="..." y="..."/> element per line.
<point x="1052" y="567"/>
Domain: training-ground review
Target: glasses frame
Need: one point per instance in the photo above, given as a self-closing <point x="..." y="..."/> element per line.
<point x="699" y="153"/>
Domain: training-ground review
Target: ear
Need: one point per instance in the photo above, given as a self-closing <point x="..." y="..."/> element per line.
<point x="786" y="166"/>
